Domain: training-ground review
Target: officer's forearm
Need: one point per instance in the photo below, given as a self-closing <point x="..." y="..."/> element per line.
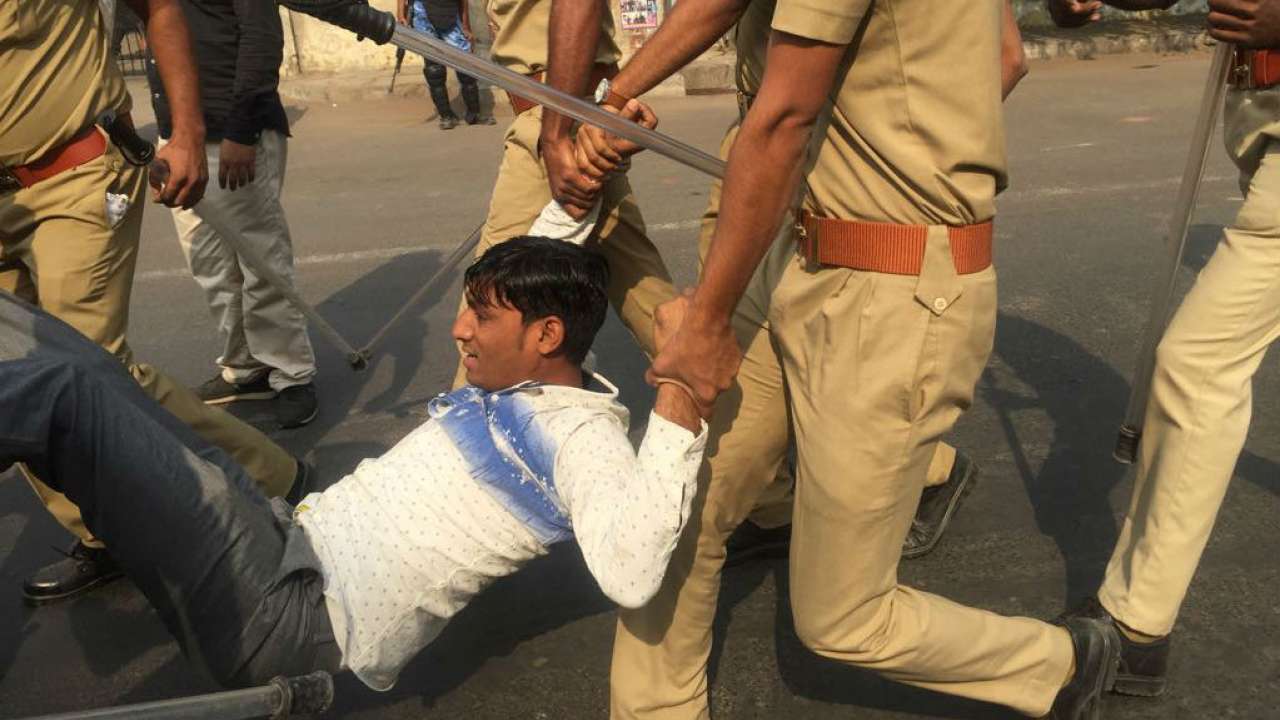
<point x="686" y="33"/>
<point x="1013" y="57"/>
<point x="764" y="168"/>
<point x="171" y="44"/>
<point x="572" y="39"/>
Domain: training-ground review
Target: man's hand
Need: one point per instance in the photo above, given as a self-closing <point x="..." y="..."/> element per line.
<point x="188" y="173"/>
<point x="236" y="164"/>
<point x="702" y="354"/>
<point x="600" y="153"/>
<point x="1247" y="23"/>
<point x="575" y="192"/>
<point x="1074" y="13"/>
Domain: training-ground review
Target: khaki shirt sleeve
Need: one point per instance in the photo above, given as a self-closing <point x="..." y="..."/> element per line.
<point x="831" y="21"/>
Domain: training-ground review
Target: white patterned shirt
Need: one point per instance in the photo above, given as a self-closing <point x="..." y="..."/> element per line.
<point x="485" y="485"/>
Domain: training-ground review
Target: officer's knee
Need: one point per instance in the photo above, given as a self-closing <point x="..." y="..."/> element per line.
<point x="830" y="628"/>
<point x="435" y="73"/>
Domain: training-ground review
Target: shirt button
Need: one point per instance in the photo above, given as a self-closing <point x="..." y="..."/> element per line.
<point x="940" y="304"/>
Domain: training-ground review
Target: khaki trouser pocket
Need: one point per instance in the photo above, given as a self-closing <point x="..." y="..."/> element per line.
<point x="938" y="286"/>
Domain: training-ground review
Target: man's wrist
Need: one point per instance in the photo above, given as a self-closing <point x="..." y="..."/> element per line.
<point x="188" y="134"/>
<point x="552" y="138"/>
<point x="674" y="405"/>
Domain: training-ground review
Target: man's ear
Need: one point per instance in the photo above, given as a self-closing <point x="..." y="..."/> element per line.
<point x="551" y="335"/>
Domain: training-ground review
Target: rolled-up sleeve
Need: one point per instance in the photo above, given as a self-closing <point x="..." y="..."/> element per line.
<point x="830" y="21"/>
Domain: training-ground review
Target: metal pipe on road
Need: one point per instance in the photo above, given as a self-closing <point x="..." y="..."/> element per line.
<point x="303" y="695"/>
<point x="1130" y="434"/>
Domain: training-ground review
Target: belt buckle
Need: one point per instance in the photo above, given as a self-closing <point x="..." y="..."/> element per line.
<point x="9" y="183"/>
<point x="807" y="243"/>
<point x="1241" y="75"/>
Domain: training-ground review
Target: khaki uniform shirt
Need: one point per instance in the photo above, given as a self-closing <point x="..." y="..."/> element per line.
<point x="521" y="43"/>
<point x="57" y="75"/>
<point x="916" y="133"/>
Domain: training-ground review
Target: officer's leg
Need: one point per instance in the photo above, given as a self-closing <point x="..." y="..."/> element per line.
<point x="660" y="651"/>
<point x="437" y="86"/>
<point x="83" y="249"/>
<point x="879" y="367"/>
<point x="1198" y="414"/>
<point x="181" y="518"/>
<point x="470" y="90"/>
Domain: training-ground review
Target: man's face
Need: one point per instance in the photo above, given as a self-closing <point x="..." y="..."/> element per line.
<point x="498" y="349"/>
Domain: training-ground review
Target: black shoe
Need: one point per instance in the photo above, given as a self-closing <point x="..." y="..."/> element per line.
<point x="1144" y="667"/>
<point x="937" y="505"/>
<point x="83" y="569"/>
<point x="301" y="484"/>
<point x="448" y="122"/>
<point x="296" y="405"/>
<point x="217" y="391"/>
<point x="1097" y="649"/>
<point x="752" y="542"/>
<point x="474" y="115"/>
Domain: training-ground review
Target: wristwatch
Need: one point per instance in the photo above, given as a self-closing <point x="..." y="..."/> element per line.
<point x="606" y="96"/>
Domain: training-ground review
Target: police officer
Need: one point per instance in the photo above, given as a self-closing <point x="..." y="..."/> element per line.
<point x="877" y="308"/>
<point x="670" y="674"/>
<point x="1198" y="412"/>
<point x="71" y="212"/>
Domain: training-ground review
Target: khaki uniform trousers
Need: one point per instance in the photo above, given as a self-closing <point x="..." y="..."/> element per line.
<point x="60" y="249"/>
<point x="871" y="375"/>
<point x="1201" y="393"/>
<point x="638" y="279"/>
<point x="262" y="332"/>
<point x="773" y="506"/>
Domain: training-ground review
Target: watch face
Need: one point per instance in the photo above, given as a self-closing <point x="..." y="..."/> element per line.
<point x="602" y="91"/>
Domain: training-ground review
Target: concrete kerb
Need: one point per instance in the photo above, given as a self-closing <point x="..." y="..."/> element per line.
<point x="714" y="72"/>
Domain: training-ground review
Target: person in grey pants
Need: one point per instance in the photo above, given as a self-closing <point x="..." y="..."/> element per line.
<point x="266" y="351"/>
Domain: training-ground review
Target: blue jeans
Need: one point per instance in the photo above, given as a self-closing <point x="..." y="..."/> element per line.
<point x="233" y="581"/>
<point x="451" y="34"/>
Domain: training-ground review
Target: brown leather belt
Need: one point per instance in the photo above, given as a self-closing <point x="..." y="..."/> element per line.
<point x="599" y="72"/>
<point x="87" y="145"/>
<point x="1254" y="69"/>
<point x="887" y="247"/>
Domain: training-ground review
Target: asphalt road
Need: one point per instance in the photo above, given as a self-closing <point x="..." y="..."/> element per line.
<point x="377" y="198"/>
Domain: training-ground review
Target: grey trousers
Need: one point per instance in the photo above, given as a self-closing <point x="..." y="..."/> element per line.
<point x="262" y="332"/>
<point x="236" y="584"/>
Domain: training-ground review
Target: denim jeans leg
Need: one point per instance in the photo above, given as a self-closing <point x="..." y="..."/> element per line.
<point x="182" y="519"/>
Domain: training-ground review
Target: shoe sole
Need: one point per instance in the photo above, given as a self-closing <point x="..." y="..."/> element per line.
<point x="227" y="399"/>
<point x="38" y="600"/>
<point x="967" y="482"/>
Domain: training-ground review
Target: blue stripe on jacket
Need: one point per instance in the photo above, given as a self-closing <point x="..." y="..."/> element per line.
<point x="508" y="453"/>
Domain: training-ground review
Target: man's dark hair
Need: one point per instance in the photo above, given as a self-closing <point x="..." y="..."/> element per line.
<point x="542" y="277"/>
